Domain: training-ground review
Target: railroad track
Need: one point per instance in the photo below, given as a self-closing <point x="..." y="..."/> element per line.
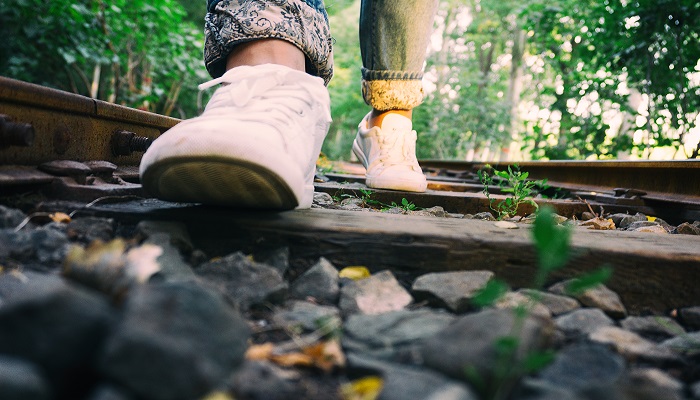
<point x="73" y="150"/>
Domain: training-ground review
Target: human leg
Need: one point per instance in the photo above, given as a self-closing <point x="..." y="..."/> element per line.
<point x="257" y="141"/>
<point x="393" y="39"/>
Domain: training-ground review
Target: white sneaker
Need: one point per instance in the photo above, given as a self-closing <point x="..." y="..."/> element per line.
<point x="255" y="145"/>
<point x="389" y="154"/>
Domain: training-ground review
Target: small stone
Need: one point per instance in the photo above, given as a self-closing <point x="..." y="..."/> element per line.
<point x="265" y="381"/>
<point x="277" y="258"/>
<point x="352" y="201"/>
<point x="582" y="321"/>
<point x="108" y="392"/>
<point x="323" y="199"/>
<point x="455" y="215"/>
<point x="690" y="316"/>
<point x="246" y="283"/>
<point x="468" y="344"/>
<point x="695" y="390"/>
<point x="506" y="225"/>
<point x="515" y="300"/>
<point x="436" y="211"/>
<point x="44" y="245"/>
<point x="687" y="229"/>
<point x="557" y="304"/>
<point x="319" y="282"/>
<point x="172" y="265"/>
<point x="393" y="210"/>
<point x="455" y="290"/>
<point x="624" y="220"/>
<point x="486" y="216"/>
<point x="687" y="344"/>
<point x="641" y="224"/>
<point x="586" y="215"/>
<point x="651" y="229"/>
<point x="395" y="335"/>
<point x="402" y="382"/>
<point x="632" y="346"/>
<point x="584" y="365"/>
<point x="10" y="217"/>
<point x="653" y="327"/>
<point x="377" y="294"/>
<point x="652" y="383"/>
<point x="176" y="340"/>
<point x="89" y="229"/>
<point x="306" y="315"/>
<point x="20" y="380"/>
<point x="599" y="296"/>
<point x="57" y="326"/>
<point x="176" y="231"/>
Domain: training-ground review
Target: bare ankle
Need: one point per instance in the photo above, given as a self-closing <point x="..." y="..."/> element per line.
<point x="376" y="116"/>
<point x="267" y="51"/>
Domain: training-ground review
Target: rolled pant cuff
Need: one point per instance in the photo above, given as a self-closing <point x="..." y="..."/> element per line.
<point x="237" y="21"/>
<point x="393" y="94"/>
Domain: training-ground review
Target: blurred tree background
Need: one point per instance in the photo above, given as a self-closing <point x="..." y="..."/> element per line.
<point x="505" y="79"/>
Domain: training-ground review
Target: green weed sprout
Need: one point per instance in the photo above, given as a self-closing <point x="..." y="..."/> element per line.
<point x="514" y="183"/>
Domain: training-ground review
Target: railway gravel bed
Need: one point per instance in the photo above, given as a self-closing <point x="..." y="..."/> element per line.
<point x="98" y="307"/>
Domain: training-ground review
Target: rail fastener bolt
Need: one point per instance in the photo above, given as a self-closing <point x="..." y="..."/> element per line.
<point x="15" y="133"/>
<point x="125" y="142"/>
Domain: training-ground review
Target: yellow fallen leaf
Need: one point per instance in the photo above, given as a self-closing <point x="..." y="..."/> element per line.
<point x="367" y="388"/>
<point x="326" y="355"/>
<point x="600" y="224"/>
<point x="259" y="352"/>
<point x="651" y="219"/>
<point x="293" y="359"/>
<point x="355" y="273"/>
<point x="60" y="217"/>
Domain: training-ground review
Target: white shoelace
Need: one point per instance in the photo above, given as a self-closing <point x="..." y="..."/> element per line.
<point x="396" y="149"/>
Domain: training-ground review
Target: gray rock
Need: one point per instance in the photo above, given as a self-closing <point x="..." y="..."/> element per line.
<point x="377" y="294"/>
<point x="653" y="327"/>
<point x="557" y="304"/>
<point x="584" y="366"/>
<point x="538" y="389"/>
<point x="319" y="282"/>
<point x="108" y="392"/>
<point x="20" y="380"/>
<point x="395" y="336"/>
<point x="44" y="245"/>
<point x="323" y="199"/>
<point x="10" y="217"/>
<point x="246" y="283"/>
<point x="582" y="322"/>
<point x="454" y="215"/>
<point x="308" y="316"/>
<point x="641" y="224"/>
<point x="599" y="297"/>
<point x="454" y="290"/>
<point x="89" y="229"/>
<point x="695" y="390"/>
<point x="624" y="220"/>
<point x="651" y="229"/>
<point x="260" y="380"/>
<point x="276" y="258"/>
<point x="436" y="211"/>
<point x="586" y="215"/>
<point x="176" y="340"/>
<point x="468" y="347"/>
<point x="172" y="265"/>
<point x="352" y="201"/>
<point x="652" y="384"/>
<point x="56" y="326"/>
<point x="688" y="229"/>
<point x="632" y="346"/>
<point x="486" y="216"/>
<point x="688" y="344"/>
<point x="176" y="231"/>
<point x="515" y="300"/>
<point x="691" y="317"/>
<point x="401" y="382"/>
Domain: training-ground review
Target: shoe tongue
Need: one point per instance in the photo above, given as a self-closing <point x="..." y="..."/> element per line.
<point x="397" y="122"/>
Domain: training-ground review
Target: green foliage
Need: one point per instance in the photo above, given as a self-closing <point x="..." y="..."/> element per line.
<point x="490" y="294"/>
<point x="405" y="205"/>
<point x="513" y="182"/>
<point x="140" y="53"/>
<point x="589" y="281"/>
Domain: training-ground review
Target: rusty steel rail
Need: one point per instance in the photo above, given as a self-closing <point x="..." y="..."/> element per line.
<point x="39" y="124"/>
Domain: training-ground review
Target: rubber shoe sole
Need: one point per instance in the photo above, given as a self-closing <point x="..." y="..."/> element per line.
<point x="218" y="180"/>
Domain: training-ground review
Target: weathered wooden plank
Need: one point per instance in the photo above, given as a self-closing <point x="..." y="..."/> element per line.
<point x="651" y="271"/>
